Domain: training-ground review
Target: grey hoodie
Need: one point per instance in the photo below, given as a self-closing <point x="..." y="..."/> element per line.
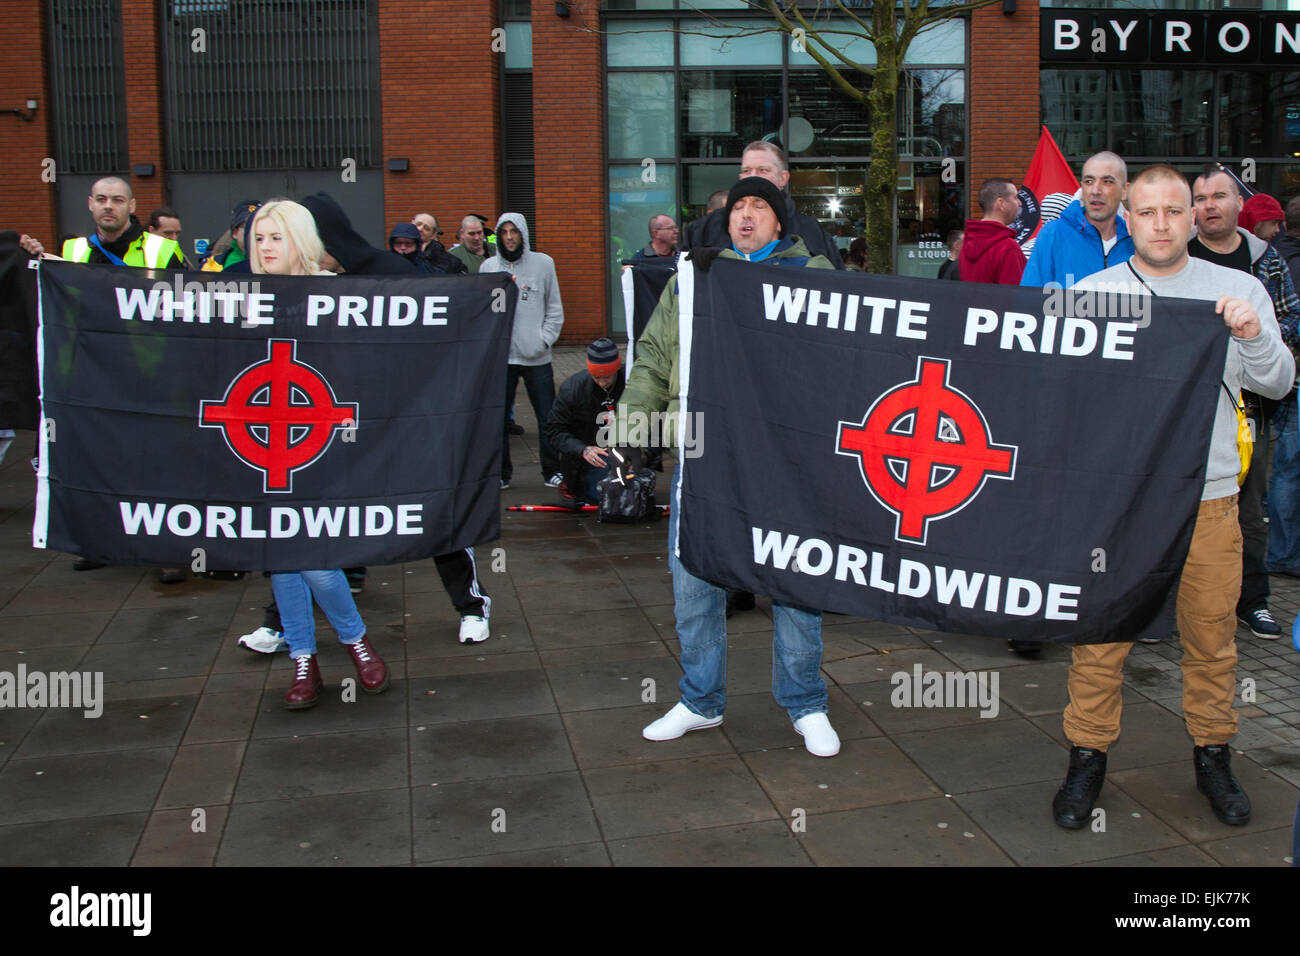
<point x="539" y="316"/>
<point x="1262" y="364"/>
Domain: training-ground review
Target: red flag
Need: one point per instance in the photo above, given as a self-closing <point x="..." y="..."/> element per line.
<point x="1048" y="188"/>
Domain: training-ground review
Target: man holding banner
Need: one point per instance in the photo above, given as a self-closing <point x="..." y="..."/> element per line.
<point x="1160" y="206"/>
<point x="757" y="219"/>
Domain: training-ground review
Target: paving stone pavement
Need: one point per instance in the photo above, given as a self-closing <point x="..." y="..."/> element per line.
<point x="526" y="750"/>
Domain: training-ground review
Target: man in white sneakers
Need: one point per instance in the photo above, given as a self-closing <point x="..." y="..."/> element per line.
<point x="758" y="219"/>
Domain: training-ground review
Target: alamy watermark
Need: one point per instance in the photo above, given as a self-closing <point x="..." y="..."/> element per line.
<point x="76" y="690"/>
<point x="923" y="688"/>
<point x="640" y="430"/>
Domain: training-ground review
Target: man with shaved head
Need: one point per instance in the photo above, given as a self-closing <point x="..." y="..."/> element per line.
<point x="663" y="240"/>
<point x="1090" y="235"/>
<point x="117" y="240"/>
<point x="1161" y="216"/>
<point x="472" y="250"/>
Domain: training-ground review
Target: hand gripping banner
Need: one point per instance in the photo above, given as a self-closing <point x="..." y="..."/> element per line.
<point x="953" y="456"/>
<point x="282" y="423"/>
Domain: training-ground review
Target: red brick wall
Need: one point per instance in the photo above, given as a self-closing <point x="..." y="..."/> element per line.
<point x="142" y="54"/>
<point x="1003" y="94"/>
<point x="441" y="110"/>
<point x="569" y="151"/>
<point x="27" y="202"/>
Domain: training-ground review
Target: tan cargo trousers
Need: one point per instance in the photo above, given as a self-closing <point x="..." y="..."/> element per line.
<point x="1207" y="623"/>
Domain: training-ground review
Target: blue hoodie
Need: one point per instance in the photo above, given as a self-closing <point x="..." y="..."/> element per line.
<point x="1069" y="248"/>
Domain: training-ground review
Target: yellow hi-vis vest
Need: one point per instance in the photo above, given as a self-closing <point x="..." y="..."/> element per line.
<point x="153" y="252"/>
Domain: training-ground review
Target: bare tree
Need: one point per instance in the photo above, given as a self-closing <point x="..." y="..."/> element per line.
<point x="890" y="28"/>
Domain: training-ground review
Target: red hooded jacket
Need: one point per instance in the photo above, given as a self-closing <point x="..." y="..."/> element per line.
<point x="991" y="254"/>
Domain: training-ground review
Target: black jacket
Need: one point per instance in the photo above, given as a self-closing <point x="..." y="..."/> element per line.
<point x="712" y="230"/>
<point x="441" y="261"/>
<point x="572" y="425"/>
<point x="1289" y="247"/>
<point x="355" y="255"/>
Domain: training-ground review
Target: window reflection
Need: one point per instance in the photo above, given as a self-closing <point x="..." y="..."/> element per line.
<point x="724" y="110"/>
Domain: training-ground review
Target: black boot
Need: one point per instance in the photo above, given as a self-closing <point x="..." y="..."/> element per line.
<point x="1026" y="648"/>
<point x="739" y="601"/>
<point x="1214" y="779"/>
<point x="1072" y="805"/>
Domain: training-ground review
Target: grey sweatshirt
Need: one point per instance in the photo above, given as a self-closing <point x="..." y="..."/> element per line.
<point x="539" y="316"/>
<point x="1262" y="364"/>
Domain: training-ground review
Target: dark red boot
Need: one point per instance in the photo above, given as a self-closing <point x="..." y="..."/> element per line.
<point x="306" y="686"/>
<point x="371" y="669"/>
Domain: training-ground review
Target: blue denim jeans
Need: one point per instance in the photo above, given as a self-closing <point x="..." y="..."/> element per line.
<point x="1284" y="491"/>
<point x="701" y="614"/>
<point x="294" y="591"/>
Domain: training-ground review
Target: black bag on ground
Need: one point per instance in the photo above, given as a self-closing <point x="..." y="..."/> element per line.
<point x="627" y="500"/>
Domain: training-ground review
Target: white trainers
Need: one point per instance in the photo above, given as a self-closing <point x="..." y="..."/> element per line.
<point x="818" y="735"/>
<point x="555" y="480"/>
<point x="264" y="641"/>
<point x="680" y="720"/>
<point x="474" y="629"/>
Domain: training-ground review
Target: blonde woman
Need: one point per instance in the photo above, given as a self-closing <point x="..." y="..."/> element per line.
<point x="284" y="241"/>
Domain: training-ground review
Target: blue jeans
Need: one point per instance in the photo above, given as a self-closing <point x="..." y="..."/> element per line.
<point x="293" y="592"/>
<point x="701" y="614"/>
<point x="539" y="382"/>
<point x="1284" y="491"/>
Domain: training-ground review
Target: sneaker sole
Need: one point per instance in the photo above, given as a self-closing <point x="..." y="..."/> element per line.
<point x="715" y="722"/>
<point x="255" y="650"/>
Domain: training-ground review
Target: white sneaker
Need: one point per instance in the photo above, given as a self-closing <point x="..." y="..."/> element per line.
<point x="818" y="735"/>
<point x="264" y="641"/>
<point x="555" y="480"/>
<point x="474" y="629"/>
<point x="680" y="720"/>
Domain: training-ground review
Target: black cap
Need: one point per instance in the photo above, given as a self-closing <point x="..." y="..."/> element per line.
<point x="764" y="189"/>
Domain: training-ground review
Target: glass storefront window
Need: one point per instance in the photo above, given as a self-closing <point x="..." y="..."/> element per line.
<point x="719" y="48"/>
<point x="1259" y="114"/>
<point x="1073" y="104"/>
<point x="699" y="182"/>
<point x="1161" y="112"/>
<point x="826" y="121"/>
<point x="928" y="209"/>
<point x="932" y="113"/>
<point x="640" y="109"/>
<point x="841" y="34"/>
<point x="945" y="42"/>
<point x="632" y="201"/>
<point x="721" y="111"/>
<point x="640" y="43"/>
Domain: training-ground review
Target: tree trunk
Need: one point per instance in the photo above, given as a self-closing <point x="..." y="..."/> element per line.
<point x="882" y="173"/>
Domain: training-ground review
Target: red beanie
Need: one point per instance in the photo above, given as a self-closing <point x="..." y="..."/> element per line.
<point x="1259" y="208"/>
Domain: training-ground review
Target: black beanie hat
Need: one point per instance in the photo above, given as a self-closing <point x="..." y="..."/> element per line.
<point x="764" y="189"/>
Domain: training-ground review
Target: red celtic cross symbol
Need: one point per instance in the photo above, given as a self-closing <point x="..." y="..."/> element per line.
<point x="278" y="415"/>
<point x="925" y="450"/>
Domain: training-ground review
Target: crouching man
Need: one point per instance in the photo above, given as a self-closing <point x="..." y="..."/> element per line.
<point x="1160" y="217"/>
<point x="757" y="219"/>
<point x="584" y="405"/>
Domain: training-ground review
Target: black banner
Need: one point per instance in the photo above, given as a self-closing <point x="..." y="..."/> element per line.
<point x="953" y="456"/>
<point x="648" y="281"/>
<point x="278" y="423"/>
<point x="18" y="402"/>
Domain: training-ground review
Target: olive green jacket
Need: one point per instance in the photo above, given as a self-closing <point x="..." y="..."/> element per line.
<point x="655" y="382"/>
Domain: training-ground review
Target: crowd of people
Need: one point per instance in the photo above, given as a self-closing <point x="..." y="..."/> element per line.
<point x="1196" y="240"/>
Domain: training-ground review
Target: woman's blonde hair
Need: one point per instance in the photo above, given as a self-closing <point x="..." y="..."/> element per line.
<point x="298" y="226"/>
